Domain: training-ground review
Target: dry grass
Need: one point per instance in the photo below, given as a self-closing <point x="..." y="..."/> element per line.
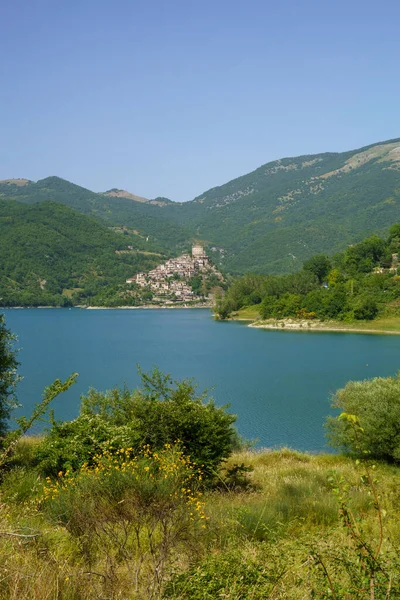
<point x="259" y="543"/>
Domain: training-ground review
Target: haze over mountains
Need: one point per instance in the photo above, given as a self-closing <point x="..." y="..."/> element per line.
<point x="269" y="220"/>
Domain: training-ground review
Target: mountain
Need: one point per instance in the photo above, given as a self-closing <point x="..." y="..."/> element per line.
<point x="269" y="220"/>
<point x="48" y="252"/>
<point x="116" y="193"/>
<point x="114" y="209"/>
<point x="285" y="211"/>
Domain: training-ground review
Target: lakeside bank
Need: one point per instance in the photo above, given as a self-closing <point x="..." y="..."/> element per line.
<point x="383" y="325"/>
<point x="147" y="307"/>
<point x="290" y="325"/>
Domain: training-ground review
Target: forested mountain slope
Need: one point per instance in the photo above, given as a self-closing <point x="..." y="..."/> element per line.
<point x="284" y="212"/>
<point x="111" y="207"/>
<point x="47" y="250"/>
<point x="267" y="221"/>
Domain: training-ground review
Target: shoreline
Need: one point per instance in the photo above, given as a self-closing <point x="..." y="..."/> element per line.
<point x="317" y="327"/>
<point x="143" y="307"/>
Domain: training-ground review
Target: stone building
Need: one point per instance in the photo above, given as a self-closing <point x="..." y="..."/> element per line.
<point x="171" y="277"/>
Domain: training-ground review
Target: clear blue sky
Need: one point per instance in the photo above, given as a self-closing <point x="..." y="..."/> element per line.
<point x="173" y="97"/>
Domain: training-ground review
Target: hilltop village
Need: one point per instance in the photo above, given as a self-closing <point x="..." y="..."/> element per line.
<point x="183" y="279"/>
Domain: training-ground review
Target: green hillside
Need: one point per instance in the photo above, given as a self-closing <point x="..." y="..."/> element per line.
<point x="49" y="253"/>
<point x="268" y="221"/>
<point x="284" y="212"/>
<point x="139" y="216"/>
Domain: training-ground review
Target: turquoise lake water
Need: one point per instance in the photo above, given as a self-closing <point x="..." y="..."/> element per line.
<point x="279" y="383"/>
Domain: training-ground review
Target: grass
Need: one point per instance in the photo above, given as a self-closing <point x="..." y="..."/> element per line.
<point x="25" y="451"/>
<point x="291" y="492"/>
<point x="248" y="313"/>
<point x="266" y="541"/>
<point x="389" y="324"/>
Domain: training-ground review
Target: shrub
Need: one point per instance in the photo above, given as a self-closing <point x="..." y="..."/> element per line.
<point x="375" y="403"/>
<point x="366" y="309"/>
<point x="130" y="513"/>
<point x="302" y="313"/>
<point x="70" y="444"/>
<point x="160" y="412"/>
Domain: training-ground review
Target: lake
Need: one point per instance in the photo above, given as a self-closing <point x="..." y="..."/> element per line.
<point x="279" y="383"/>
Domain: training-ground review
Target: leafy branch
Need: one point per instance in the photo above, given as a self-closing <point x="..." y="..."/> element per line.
<point x="24" y="423"/>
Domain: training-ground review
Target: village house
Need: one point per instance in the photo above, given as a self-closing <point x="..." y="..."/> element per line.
<point x="171" y="277"/>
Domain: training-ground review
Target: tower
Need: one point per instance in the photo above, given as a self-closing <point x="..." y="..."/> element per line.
<point x="198" y="252"/>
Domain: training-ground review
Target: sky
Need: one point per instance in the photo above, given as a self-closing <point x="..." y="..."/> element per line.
<point x="173" y="97"/>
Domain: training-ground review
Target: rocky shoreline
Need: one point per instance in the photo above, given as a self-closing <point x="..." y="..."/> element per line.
<point x="318" y="326"/>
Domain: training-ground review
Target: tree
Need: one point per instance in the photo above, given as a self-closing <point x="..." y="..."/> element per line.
<point x="197" y="285"/>
<point x="394" y="232"/>
<point x="8" y="375"/>
<point x="374" y="404"/>
<point x="363" y="257"/>
<point x="319" y="265"/>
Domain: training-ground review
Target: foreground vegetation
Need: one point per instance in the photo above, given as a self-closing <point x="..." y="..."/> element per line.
<point x="145" y="520"/>
<point x="150" y="494"/>
<point x="298" y="526"/>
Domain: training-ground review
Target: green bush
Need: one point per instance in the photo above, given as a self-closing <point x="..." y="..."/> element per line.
<point x="70" y="444"/>
<point x="375" y="406"/>
<point x="366" y="309"/>
<point x="161" y="412"/>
